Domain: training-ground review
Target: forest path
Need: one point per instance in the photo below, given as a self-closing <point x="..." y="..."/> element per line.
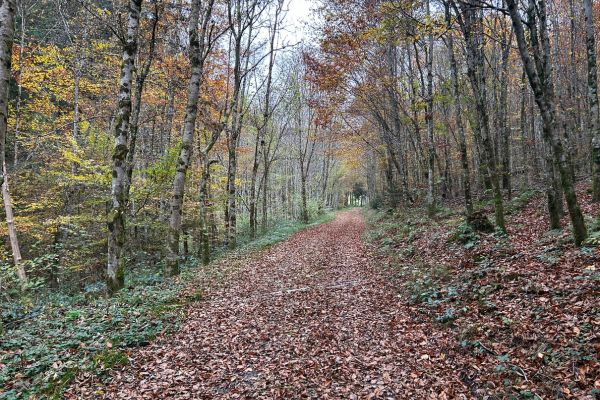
<point x="311" y="318"/>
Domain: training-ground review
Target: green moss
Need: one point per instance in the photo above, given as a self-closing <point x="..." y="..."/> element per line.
<point x="196" y="295"/>
<point x="58" y="384"/>
<point x="109" y="359"/>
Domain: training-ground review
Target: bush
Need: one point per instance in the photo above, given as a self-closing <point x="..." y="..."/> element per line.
<point x="464" y="234"/>
<point x="376" y="202"/>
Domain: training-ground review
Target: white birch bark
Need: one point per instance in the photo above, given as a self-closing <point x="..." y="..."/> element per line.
<point x="118" y="203"/>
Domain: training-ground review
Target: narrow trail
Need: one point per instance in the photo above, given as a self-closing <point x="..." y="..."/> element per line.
<point x="311" y="318"/>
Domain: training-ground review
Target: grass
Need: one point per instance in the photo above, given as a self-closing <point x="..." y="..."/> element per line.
<point x="62" y="335"/>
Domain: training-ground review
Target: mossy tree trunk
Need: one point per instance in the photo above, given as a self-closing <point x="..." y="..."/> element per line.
<point x="118" y="203"/>
<point x="592" y="94"/>
<point x="197" y="54"/>
<point x="540" y="80"/>
<point x="471" y="24"/>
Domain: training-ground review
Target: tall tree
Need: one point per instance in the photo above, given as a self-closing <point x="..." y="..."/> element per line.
<point x="262" y="124"/>
<point x="197" y="55"/>
<point x="462" y="142"/>
<point x="429" y="114"/>
<point x="117" y="208"/>
<point x="538" y="68"/>
<point x="592" y="94"/>
<point x="7" y="27"/>
<point x="243" y="15"/>
<point x="470" y="21"/>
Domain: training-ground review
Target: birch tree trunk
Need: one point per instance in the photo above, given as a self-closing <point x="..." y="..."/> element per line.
<point x="7" y="26"/>
<point x="185" y="152"/>
<point x="118" y="205"/>
<point x="12" y="230"/>
<point x="19" y="84"/>
<point x="142" y="75"/>
<point x="592" y="94"/>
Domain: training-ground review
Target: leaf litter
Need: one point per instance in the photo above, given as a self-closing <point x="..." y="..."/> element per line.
<point x="319" y="317"/>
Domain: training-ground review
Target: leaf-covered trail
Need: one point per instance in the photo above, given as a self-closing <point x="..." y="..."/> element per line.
<point x="311" y="318"/>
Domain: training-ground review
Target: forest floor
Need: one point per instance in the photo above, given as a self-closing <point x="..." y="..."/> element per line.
<point x="423" y="309"/>
<point x="50" y="337"/>
<point x="312" y="317"/>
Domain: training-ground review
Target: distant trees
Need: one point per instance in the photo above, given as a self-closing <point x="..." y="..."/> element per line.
<point x="468" y="99"/>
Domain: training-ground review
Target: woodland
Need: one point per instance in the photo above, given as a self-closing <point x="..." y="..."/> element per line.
<point x="214" y="199"/>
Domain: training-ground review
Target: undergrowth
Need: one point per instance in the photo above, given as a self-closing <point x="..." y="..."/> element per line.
<point x="49" y="338"/>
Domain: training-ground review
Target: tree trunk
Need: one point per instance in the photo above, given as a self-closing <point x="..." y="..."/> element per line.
<point x="204" y="203"/>
<point x="12" y="230"/>
<point x="592" y="95"/>
<point x="525" y="149"/>
<point x="429" y="118"/>
<point x="265" y="197"/>
<point x="471" y="25"/>
<point x="234" y="133"/>
<point x="232" y="192"/>
<point x="464" y="156"/>
<point x="185" y="152"/>
<point x="118" y="204"/>
<point x="19" y="85"/>
<point x="7" y="26"/>
<point x="304" y="215"/>
<point x="253" y="178"/>
<point x="505" y="130"/>
<point x="540" y="81"/>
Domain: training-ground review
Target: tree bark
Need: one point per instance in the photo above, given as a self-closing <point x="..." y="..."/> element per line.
<point x="429" y="119"/>
<point x="197" y="57"/>
<point x="19" y="85"/>
<point x="540" y="80"/>
<point x="462" y="142"/>
<point x="12" y="229"/>
<point x="592" y="94"/>
<point x="204" y="203"/>
<point x="118" y="204"/>
<point x="7" y="26"/>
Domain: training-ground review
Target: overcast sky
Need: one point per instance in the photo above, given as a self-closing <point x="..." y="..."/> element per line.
<point x="297" y="16"/>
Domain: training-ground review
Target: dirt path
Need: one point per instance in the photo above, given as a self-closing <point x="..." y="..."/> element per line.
<point x="311" y="319"/>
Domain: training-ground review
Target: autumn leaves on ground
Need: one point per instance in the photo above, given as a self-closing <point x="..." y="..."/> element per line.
<point x="312" y="317"/>
<point x="322" y="316"/>
<point x="309" y="318"/>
